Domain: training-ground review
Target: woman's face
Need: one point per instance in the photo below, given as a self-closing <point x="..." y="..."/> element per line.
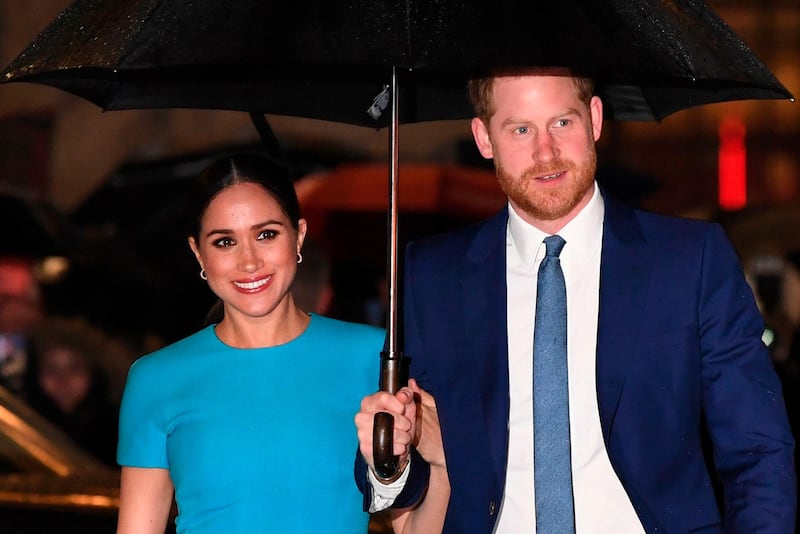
<point x="248" y="249"/>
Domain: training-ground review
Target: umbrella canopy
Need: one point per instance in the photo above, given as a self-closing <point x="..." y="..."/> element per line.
<point x="331" y="60"/>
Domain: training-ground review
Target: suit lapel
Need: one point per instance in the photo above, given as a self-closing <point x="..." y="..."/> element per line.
<point x="483" y="299"/>
<point x="624" y="278"/>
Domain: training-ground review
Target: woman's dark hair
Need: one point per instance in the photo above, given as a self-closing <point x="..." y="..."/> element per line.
<point x="239" y="169"/>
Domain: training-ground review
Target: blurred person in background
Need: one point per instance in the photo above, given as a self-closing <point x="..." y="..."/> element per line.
<point x="355" y="290"/>
<point x="788" y="364"/>
<point x="68" y="382"/>
<point x="21" y="310"/>
<point x="790" y="304"/>
<point x="248" y="422"/>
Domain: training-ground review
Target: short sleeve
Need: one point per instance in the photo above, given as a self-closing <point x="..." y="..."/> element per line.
<point x="142" y="433"/>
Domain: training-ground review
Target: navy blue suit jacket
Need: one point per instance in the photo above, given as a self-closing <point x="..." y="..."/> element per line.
<point x="679" y="346"/>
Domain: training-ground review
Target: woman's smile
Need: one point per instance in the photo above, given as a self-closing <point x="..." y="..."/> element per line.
<point x="253" y="285"/>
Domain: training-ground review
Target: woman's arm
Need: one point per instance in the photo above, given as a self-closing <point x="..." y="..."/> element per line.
<point x="145" y="501"/>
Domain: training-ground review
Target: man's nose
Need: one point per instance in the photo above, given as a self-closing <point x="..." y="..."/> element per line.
<point x="544" y="147"/>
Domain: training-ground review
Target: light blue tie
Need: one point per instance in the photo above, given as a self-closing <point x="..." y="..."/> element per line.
<point x="555" y="512"/>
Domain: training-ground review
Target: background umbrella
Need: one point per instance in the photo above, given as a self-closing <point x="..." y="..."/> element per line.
<point x="380" y="63"/>
<point x="454" y="190"/>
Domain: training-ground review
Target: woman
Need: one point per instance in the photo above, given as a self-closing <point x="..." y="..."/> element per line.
<point x="249" y="420"/>
<point x="68" y="382"/>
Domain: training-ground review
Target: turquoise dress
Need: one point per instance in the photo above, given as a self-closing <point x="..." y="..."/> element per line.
<point x="256" y="440"/>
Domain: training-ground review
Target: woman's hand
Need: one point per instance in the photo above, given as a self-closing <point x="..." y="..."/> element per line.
<point x="402" y="407"/>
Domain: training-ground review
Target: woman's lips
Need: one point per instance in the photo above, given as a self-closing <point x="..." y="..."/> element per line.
<point x="252" y="286"/>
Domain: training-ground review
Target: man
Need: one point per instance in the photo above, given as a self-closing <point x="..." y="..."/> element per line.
<point x="663" y="338"/>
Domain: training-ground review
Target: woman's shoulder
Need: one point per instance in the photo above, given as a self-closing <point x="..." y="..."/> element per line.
<point x="177" y="351"/>
<point x="338" y="328"/>
<point x="352" y="347"/>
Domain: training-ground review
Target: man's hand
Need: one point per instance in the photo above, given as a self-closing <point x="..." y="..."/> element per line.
<point x="428" y="437"/>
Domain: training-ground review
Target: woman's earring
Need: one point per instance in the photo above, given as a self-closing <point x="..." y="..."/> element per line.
<point x="299" y="258"/>
<point x="203" y="274"/>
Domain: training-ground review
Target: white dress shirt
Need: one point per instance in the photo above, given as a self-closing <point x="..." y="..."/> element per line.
<point x="601" y="504"/>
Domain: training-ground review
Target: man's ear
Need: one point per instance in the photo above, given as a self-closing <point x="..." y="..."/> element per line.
<point x="596" y="110"/>
<point x="480" y="133"/>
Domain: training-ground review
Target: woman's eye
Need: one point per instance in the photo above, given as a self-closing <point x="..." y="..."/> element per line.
<point x="267" y="234"/>
<point x="224" y="242"/>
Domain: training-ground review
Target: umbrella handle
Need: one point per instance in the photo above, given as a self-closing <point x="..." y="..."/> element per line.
<point x="383" y="445"/>
<point x="393" y="374"/>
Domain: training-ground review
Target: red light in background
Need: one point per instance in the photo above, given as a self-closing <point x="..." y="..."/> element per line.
<point x="732" y="164"/>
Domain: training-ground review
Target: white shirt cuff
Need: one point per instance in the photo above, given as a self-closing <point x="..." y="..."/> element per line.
<point x="383" y="495"/>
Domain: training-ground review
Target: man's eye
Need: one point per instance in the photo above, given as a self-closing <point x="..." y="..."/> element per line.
<point x="560" y="123"/>
<point x="523" y="130"/>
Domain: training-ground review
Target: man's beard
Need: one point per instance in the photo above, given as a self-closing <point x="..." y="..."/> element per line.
<point x="543" y="203"/>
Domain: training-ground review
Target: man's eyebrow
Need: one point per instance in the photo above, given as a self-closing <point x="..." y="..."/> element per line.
<point x="519" y="120"/>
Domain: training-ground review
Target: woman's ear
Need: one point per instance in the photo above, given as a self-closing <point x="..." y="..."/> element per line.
<point x="302" y="228"/>
<point x="195" y="251"/>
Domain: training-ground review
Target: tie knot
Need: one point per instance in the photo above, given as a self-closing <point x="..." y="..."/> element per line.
<point x="554" y="244"/>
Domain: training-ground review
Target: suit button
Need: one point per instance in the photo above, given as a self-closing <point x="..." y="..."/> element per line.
<point x="492" y="508"/>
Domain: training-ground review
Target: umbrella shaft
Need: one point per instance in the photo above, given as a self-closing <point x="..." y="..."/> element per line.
<point x="392" y="214"/>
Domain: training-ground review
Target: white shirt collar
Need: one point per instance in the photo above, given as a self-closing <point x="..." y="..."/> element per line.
<point x="583" y="234"/>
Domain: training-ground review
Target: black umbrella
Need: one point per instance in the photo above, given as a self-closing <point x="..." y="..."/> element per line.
<point x="328" y="59"/>
<point x="385" y="62"/>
